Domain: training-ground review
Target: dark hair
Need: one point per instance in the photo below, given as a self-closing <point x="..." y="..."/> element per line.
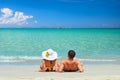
<point x="71" y="53"/>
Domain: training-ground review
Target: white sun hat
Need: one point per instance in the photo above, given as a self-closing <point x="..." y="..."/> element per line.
<point x="49" y="54"/>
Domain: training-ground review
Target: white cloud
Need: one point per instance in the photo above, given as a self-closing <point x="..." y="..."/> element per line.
<point x="8" y="17"/>
<point x="6" y="12"/>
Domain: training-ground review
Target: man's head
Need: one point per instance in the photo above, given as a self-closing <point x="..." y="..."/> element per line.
<point x="71" y="54"/>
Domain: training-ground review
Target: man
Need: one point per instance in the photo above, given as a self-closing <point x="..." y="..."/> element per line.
<point x="71" y="64"/>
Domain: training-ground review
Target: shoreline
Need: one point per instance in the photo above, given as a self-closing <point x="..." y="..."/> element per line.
<point x="37" y="62"/>
<point x="92" y="72"/>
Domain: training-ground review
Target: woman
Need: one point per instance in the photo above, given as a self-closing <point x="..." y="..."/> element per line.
<point x="49" y="61"/>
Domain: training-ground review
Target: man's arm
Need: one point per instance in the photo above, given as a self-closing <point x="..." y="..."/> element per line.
<point x="80" y="66"/>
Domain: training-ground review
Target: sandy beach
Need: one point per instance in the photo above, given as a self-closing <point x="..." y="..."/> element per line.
<point x="92" y="72"/>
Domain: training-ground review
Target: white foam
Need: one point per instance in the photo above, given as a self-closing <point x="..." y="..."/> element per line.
<point x="34" y="58"/>
<point x="18" y="58"/>
<point x="98" y="60"/>
<point x="12" y="61"/>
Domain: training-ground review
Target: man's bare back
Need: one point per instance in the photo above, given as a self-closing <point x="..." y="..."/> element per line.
<point x="71" y="64"/>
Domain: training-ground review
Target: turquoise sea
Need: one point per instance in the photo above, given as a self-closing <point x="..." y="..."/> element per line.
<point x="24" y="46"/>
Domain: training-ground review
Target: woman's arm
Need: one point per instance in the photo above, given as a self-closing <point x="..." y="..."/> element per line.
<point x="61" y="66"/>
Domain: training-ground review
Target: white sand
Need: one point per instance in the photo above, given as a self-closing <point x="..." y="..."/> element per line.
<point x="92" y="72"/>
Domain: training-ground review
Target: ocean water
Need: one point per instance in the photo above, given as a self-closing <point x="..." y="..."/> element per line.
<point x="23" y="46"/>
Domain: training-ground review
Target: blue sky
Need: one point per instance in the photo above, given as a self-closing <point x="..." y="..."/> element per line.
<point x="60" y="13"/>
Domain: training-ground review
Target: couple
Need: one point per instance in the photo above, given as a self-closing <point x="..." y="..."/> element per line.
<point x="50" y="63"/>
